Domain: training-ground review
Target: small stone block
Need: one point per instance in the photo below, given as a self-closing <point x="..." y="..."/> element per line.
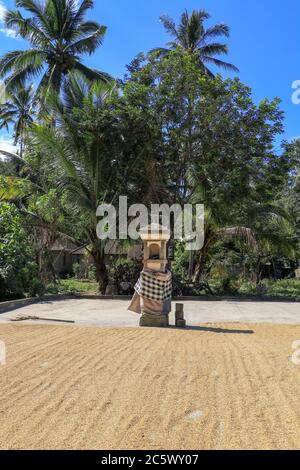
<point x="159" y="321"/>
<point x="179" y="308"/>
<point x="180" y="323"/>
<point x="179" y="316"/>
<point x="179" y="313"/>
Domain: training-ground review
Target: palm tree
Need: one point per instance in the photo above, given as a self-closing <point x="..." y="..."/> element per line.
<point x="59" y="36"/>
<point x="18" y="111"/>
<point x="79" y="167"/>
<point x="192" y="36"/>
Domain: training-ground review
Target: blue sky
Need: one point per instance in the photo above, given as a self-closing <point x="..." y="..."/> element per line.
<point x="264" y="42"/>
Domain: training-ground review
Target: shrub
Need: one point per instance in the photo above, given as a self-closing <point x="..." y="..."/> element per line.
<point x="18" y="269"/>
<point x="124" y="270"/>
<point x="71" y="286"/>
<point x="289" y="288"/>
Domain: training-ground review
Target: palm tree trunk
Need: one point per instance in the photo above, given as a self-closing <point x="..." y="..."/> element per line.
<point x="191" y="264"/>
<point x="258" y="271"/>
<point x="199" y="268"/>
<point x="98" y="256"/>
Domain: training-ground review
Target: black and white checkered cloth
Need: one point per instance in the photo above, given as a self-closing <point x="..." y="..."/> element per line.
<point x="151" y="285"/>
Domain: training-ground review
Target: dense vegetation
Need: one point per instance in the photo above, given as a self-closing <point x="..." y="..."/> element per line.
<point x="170" y="131"/>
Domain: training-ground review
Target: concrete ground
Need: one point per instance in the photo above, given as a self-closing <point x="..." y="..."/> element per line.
<point x="114" y="313"/>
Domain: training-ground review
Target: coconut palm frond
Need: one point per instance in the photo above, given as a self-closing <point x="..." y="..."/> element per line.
<point x="269" y="210"/>
<point x="220" y="63"/>
<point x="169" y="25"/>
<point x="220" y="29"/>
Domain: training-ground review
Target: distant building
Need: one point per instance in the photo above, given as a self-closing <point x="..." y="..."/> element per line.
<point x="66" y="254"/>
<point x="113" y="248"/>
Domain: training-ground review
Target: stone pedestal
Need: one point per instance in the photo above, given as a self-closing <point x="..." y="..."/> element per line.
<point x="154" y="320"/>
<point x="155" y="238"/>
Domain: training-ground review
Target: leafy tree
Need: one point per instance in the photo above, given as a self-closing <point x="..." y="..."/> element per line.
<point x="59" y="36"/>
<point x="291" y="190"/>
<point x="289" y="198"/>
<point x="191" y="36"/>
<point x="209" y="141"/>
<point x="18" y="270"/>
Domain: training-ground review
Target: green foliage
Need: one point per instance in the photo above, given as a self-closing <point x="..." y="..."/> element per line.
<point x="170" y="133"/>
<point x="12" y="188"/>
<point x="84" y="271"/>
<point x="289" y="288"/>
<point x="124" y="270"/>
<point x="181" y="260"/>
<point x="206" y="139"/>
<point x="18" y="270"/>
<point x="71" y="286"/>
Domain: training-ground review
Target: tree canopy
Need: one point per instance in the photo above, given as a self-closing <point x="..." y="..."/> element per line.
<point x="169" y="132"/>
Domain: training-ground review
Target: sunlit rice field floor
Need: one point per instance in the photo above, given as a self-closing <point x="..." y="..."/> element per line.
<point x="216" y="386"/>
